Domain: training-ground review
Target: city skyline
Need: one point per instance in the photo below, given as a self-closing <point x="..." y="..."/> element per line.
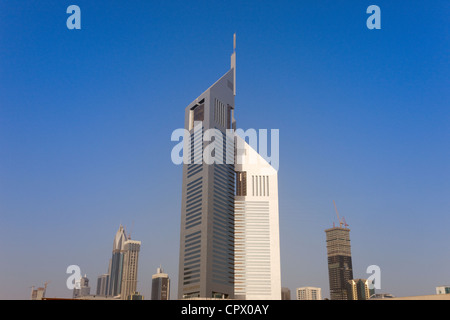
<point x="86" y="119"/>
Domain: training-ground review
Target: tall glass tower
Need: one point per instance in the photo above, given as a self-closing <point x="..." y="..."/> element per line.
<point x="115" y="279"/>
<point x="206" y="267"/>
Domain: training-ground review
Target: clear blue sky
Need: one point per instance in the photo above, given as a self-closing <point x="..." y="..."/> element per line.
<point x="86" y="117"/>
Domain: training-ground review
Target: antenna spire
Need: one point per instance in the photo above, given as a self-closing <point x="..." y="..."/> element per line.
<point x="233" y="63"/>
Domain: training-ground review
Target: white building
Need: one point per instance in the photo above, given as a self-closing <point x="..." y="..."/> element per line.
<point x="309" y="293"/>
<point x="443" y="290"/>
<point x="257" y="239"/>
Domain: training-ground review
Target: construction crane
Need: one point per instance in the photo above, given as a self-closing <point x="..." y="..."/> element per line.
<point x="45" y="288"/>
<point x="32" y="289"/>
<point x="341" y="222"/>
<point x="345" y="223"/>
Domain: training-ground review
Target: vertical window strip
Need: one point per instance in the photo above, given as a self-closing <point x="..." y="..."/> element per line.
<point x="264" y="185"/>
<point x="259" y="178"/>
<point x="253" y="185"/>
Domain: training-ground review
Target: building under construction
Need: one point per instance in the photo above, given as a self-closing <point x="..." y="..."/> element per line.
<point x="340" y="269"/>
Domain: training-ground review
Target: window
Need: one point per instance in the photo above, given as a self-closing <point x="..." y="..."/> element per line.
<point x="241" y="183"/>
<point x="197" y="114"/>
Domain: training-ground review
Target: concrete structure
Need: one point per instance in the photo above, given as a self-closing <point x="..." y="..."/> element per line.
<point x="130" y="268"/>
<point x="340" y="269"/>
<point x="309" y="293"/>
<point x="206" y="265"/>
<point x="257" y="239"/>
<point x="115" y="280"/>
<point x="358" y="289"/>
<point x="160" y="285"/>
<point x="285" y="294"/>
<point x="443" y="290"/>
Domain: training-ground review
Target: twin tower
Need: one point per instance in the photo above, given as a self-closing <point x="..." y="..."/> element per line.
<point x="229" y="244"/>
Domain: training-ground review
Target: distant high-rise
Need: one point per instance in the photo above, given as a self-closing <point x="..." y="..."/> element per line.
<point x="285" y="294"/>
<point x="160" y="285"/>
<point x="38" y="294"/>
<point x="309" y="293"/>
<point x="340" y="269"/>
<point x="257" y="238"/>
<point x="115" y="279"/>
<point x="130" y="268"/>
<point x="206" y="265"/>
<point x="83" y="290"/>
<point x="102" y="285"/>
<point x="358" y="289"/>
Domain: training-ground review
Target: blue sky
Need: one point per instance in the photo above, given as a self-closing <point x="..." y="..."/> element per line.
<point x="86" y="118"/>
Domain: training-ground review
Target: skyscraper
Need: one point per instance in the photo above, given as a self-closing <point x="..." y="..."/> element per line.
<point x="340" y="269"/>
<point x="229" y="244"/>
<point x="102" y="285"/>
<point x="160" y="285"/>
<point x="206" y="265"/>
<point x="257" y="239"/>
<point x="130" y="268"/>
<point x="115" y="280"/>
